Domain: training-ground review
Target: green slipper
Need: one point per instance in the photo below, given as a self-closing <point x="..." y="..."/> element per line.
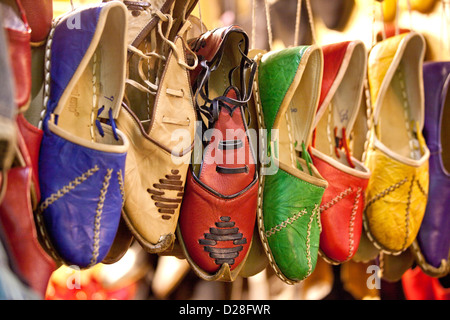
<point x="286" y="92"/>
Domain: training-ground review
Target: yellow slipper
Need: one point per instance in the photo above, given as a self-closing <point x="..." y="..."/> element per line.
<point x="397" y="155"/>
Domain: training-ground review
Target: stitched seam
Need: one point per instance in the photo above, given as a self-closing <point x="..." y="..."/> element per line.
<point x="291" y="144"/>
<point x="352" y="224"/>
<point x="285" y="223"/>
<point x="308" y="246"/>
<point x="94" y="96"/>
<point x="338" y="198"/>
<point x="66" y="189"/>
<point x="54" y="197"/>
<point x="408" y="204"/>
<point x="385" y="192"/>
<point x="121" y="185"/>
<point x="421" y="188"/>
<point x="98" y="217"/>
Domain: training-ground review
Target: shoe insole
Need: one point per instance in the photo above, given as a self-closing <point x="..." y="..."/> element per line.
<point x="395" y="123"/>
<point x="220" y="78"/>
<point x="295" y="125"/>
<point x="79" y="113"/>
<point x="98" y="85"/>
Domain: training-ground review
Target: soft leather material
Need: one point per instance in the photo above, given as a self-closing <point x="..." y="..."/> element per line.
<point x="213" y="156"/>
<point x="343" y="202"/>
<point x="289" y="217"/>
<point x="281" y="68"/>
<point x="205" y="214"/>
<point x="83" y="221"/>
<point x="12" y="286"/>
<point x="398" y="189"/>
<point x="71" y="52"/>
<point x="154" y="156"/>
<point x="292" y="223"/>
<point x="158" y="152"/>
<point x="33" y="137"/>
<point x="82" y="181"/>
<point x="7" y="111"/>
<point x="210" y="43"/>
<point x="341" y="209"/>
<point x="227" y="197"/>
<point x="39" y="15"/>
<point x="395" y="202"/>
<point x="333" y="55"/>
<point x="16" y="218"/>
<point x="419" y="286"/>
<point x="148" y="225"/>
<point x="20" y="57"/>
<point x="433" y="240"/>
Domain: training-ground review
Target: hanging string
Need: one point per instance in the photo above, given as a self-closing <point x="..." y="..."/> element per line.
<point x="373" y="37"/>
<point x="254" y="2"/>
<point x="200" y="17"/>
<point x="311" y="21"/>
<point x="269" y="24"/>
<point x="383" y="30"/>
<point x="297" y="22"/>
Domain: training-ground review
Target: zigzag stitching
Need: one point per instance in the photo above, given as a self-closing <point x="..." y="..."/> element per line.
<point x="66" y="189"/>
<point x="98" y="217"/>
<point x="386" y="191"/>
<point x="338" y="198"/>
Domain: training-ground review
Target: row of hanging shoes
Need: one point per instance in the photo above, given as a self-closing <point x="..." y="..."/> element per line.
<point x="120" y="174"/>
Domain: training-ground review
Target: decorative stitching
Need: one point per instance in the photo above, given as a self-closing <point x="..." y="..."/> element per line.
<point x="98" y="217"/>
<point x="308" y="246"/>
<point x="285" y="223"/>
<point x="167" y="206"/>
<point x="54" y="197"/>
<point x="121" y="186"/>
<point x="66" y="189"/>
<point x="352" y="223"/>
<point x="385" y="192"/>
<point x="94" y="95"/>
<point x="421" y="188"/>
<point x="291" y="143"/>
<point x="338" y="198"/>
<point x="408" y="204"/>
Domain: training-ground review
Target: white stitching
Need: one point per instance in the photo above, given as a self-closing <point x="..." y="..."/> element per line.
<point x="352" y="223"/>
<point x="54" y="197"/>
<point x="66" y="189"/>
<point x="285" y="223"/>
<point x="338" y="198"/>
